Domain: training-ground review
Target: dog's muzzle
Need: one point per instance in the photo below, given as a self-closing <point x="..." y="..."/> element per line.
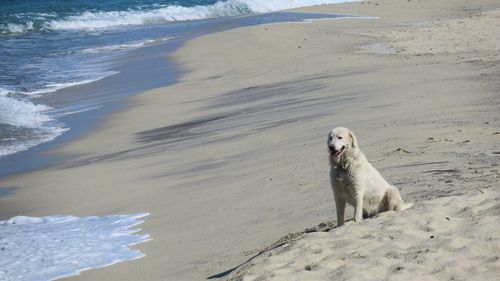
<point x="336" y="153"/>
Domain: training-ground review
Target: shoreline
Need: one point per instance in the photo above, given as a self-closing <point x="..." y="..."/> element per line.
<point x="161" y="72"/>
<point x="112" y="92"/>
<point x="232" y="156"/>
<point x="108" y="98"/>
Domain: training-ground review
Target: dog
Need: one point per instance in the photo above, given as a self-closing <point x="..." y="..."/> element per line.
<point x="355" y="181"/>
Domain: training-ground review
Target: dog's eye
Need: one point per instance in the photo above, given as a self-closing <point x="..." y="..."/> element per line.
<point x="339" y="137"/>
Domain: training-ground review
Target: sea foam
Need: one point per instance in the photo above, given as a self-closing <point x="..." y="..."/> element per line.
<point x="46" y="248"/>
<point x="96" y="20"/>
<point x="28" y="119"/>
<point x="20" y="113"/>
<point x="127" y="46"/>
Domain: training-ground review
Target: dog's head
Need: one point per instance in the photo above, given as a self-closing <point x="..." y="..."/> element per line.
<point x="341" y="142"/>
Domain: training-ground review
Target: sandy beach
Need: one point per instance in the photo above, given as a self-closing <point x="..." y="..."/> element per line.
<point x="233" y="157"/>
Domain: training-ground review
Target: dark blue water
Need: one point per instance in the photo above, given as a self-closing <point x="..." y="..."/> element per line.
<point x="62" y="62"/>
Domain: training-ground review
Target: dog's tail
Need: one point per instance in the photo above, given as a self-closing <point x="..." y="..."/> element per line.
<point x="406" y="206"/>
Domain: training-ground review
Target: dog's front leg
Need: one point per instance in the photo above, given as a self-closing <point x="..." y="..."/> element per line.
<point x="340" y="204"/>
<point x="358" y="209"/>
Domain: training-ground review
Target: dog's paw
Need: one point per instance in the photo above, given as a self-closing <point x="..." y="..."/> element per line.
<point x="406" y="206"/>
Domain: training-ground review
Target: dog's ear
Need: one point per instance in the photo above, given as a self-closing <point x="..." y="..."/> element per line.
<point x="353" y="140"/>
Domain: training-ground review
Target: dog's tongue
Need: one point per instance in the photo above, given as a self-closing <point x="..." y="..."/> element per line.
<point x="336" y="153"/>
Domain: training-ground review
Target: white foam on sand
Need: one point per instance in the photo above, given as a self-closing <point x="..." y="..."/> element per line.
<point x="46" y="248"/>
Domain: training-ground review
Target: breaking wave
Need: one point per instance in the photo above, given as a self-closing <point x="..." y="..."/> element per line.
<point x="89" y="20"/>
<point x="24" y="124"/>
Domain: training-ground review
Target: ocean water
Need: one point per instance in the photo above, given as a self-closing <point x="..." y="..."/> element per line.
<point x="48" y="47"/>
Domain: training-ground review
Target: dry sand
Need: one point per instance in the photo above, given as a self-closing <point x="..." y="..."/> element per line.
<point x="233" y="156"/>
<point x="449" y="238"/>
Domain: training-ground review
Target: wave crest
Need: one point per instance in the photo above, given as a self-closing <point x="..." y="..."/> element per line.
<point x="28" y="124"/>
<point x="16" y="27"/>
<point x="19" y="113"/>
<point x="97" y="20"/>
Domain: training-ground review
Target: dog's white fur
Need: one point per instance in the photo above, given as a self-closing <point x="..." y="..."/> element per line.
<point x="355" y="181"/>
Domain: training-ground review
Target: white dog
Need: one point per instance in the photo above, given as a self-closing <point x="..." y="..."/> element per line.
<point x="355" y="181"/>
